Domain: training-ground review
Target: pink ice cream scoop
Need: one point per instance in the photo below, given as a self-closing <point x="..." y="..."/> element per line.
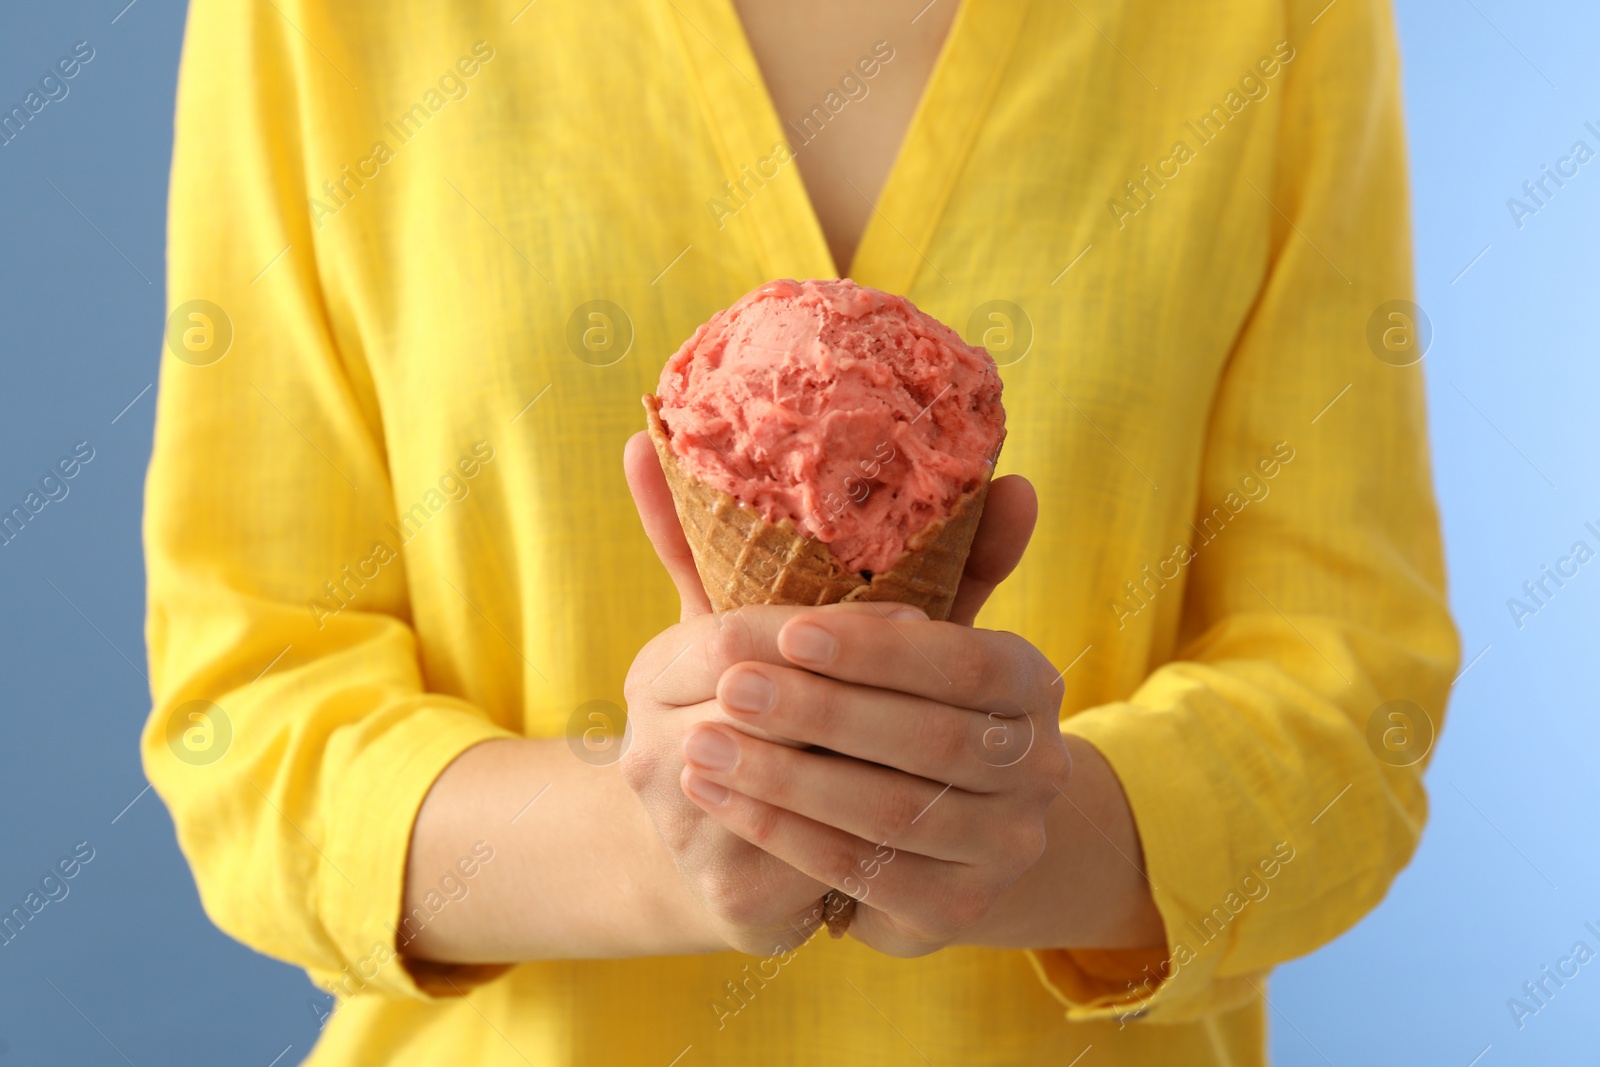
<point x="841" y="408"/>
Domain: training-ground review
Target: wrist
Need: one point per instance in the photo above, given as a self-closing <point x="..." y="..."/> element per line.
<point x="1088" y="889"/>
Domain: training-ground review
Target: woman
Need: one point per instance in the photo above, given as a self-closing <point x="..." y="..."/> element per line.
<point x="399" y="591"/>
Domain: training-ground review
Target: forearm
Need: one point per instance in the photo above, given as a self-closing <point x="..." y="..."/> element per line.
<point x="1088" y="890"/>
<point x="579" y="873"/>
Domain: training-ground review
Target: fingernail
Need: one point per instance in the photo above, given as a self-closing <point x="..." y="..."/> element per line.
<point x="711" y="749"/>
<point x="907" y="614"/>
<point x="749" y="692"/>
<point x="710" y="792"/>
<point x="808" y="644"/>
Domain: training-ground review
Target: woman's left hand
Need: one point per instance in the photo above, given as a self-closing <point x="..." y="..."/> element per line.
<point x="943" y="755"/>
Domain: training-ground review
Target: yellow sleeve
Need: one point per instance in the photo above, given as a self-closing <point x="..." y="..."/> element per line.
<point x="1273" y="813"/>
<point x="293" y="746"/>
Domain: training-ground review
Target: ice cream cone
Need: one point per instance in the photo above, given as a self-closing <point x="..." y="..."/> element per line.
<point x="743" y="559"/>
<point x="776" y="401"/>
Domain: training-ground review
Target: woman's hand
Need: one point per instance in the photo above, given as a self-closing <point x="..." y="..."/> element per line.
<point x="943" y="757"/>
<point x="912" y="765"/>
<point x="929" y="791"/>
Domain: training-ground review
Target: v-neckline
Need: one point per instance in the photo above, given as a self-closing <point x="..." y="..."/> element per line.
<point x="782" y="217"/>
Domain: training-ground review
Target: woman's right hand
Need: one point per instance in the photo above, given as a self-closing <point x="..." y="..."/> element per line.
<point x="759" y="904"/>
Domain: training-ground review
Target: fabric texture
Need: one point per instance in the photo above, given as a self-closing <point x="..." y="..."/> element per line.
<point x="452" y="245"/>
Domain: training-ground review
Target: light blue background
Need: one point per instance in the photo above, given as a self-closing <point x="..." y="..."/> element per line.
<point x="1509" y="869"/>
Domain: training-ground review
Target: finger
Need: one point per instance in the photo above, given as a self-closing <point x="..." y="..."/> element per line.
<point x="659" y="515"/>
<point x="987" y="670"/>
<point x="873" y="803"/>
<point x="681" y="665"/>
<point x="1009" y="514"/>
<point x="970" y="750"/>
<point x="887" y="878"/>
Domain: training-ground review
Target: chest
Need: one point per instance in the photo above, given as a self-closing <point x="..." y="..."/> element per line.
<point x="549" y="240"/>
<point x="523" y="267"/>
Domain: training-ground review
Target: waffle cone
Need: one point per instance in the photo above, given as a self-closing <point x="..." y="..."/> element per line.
<point x="743" y="559"/>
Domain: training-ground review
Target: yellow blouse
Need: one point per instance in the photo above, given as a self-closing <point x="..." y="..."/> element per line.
<point x="426" y="257"/>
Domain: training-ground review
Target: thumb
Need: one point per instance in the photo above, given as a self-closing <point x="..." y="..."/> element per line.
<point x="660" y="519"/>
<point x="1003" y="534"/>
